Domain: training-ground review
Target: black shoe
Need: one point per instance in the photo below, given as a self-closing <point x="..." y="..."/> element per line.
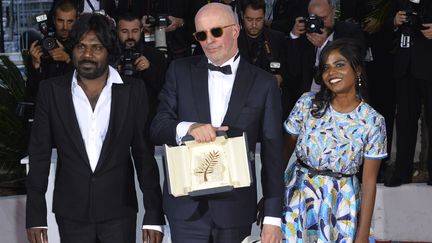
<point x="429" y="182"/>
<point x="395" y="182"/>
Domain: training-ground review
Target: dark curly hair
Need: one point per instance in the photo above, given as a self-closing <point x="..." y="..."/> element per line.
<point x="103" y="28"/>
<point x="354" y="52"/>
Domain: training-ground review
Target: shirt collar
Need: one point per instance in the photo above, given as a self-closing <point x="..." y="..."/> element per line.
<point x="113" y="77"/>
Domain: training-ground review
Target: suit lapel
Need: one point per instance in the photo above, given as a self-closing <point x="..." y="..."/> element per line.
<point x="64" y="105"/>
<point x="241" y="88"/>
<point x="120" y="95"/>
<point x="199" y="83"/>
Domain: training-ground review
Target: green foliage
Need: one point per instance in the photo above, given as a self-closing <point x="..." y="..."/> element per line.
<point x="13" y="131"/>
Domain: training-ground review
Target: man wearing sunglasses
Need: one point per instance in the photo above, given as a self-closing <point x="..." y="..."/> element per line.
<point x="221" y="91"/>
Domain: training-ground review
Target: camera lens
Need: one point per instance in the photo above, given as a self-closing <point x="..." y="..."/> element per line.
<point x="313" y="24"/>
<point x="127" y="61"/>
<point x="48" y="43"/>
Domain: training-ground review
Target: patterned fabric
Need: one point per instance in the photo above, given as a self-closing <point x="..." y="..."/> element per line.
<point x="322" y="208"/>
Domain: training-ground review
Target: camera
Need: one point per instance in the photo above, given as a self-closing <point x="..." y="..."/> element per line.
<point x="413" y="19"/>
<point x="160" y="20"/>
<point x="313" y="24"/>
<point x="48" y="41"/>
<point x="100" y="11"/>
<point x="25" y="110"/>
<point x="274" y="67"/>
<point x="127" y="60"/>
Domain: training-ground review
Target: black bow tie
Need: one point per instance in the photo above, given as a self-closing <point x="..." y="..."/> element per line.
<point x="224" y="69"/>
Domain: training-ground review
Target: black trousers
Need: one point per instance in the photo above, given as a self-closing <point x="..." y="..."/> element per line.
<point x="382" y="92"/>
<point x="200" y="228"/>
<point x="111" y="231"/>
<point x="411" y="94"/>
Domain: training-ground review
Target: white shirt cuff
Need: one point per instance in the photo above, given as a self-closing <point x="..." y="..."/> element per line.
<point x="273" y="221"/>
<point x="293" y="36"/>
<point x="154" y="227"/>
<point x="40" y="227"/>
<point x="181" y="130"/>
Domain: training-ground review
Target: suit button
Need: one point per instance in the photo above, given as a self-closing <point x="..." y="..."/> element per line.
<point x="93" y="179"/>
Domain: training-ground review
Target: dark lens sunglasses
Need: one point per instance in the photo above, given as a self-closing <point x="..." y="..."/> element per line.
<point x="216" y="32"/>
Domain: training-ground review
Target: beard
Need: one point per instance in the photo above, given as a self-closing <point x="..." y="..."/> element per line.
<point x="91" y="70"/>
<point x="129" y="43"/>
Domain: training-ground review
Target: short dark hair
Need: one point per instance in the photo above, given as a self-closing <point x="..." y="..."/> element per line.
<point x="65" y="6"/>
<point x="102" y="27"/>
<point x="354" y="51"/>
<point x="128" y="16"/>
<point x="254" y="4"/>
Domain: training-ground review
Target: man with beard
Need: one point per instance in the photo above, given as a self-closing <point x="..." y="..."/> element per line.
<point x="47" y="64"/>
<point x="262" y="46"/>
<point x="96" y="118"/>
<point x="139" y="60"/>
<point x="305" y="45"/>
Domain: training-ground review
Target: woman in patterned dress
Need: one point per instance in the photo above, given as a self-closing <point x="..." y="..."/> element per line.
<point x="333" y="132"/>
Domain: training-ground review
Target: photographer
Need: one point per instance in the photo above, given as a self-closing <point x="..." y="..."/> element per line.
<point x="262" y="46"/>
<point x="412" y="24"/>
<point x="50" y="56"/>
<point x="172" y="19"/>
<point x="139" y="60"/>
<point x="309" y="36"/>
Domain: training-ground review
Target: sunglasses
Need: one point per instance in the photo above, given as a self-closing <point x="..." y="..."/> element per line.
<point x="216" y="32"/>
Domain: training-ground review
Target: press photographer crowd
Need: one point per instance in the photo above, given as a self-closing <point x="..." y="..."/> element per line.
<point x="325" y="80"/>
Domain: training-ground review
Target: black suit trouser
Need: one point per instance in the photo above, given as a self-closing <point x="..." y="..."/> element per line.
<point x="411" y="94"/>
<point x="200" y="228"/>
<point x="111" y="231"/>
<point x="382" y="93"/>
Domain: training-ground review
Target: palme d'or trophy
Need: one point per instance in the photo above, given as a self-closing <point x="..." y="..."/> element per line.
<point x="198" y="169"/>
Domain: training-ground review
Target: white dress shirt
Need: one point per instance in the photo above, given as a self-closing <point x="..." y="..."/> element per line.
<point x="93" y="124"/>
<point x="219" y="88"/>
<point x="88" y="9"/>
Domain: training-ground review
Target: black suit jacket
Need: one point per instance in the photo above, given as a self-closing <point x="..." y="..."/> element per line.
<point x="416" y="60"/>
<point x="354" y="10"/>
<point x="79" y="193"/>
<point x="153" y="77"/>
<point x="254" y="108"/>
<point x="278" y="53"/>
<point x="277" y="46"/>
<point x="286" y="11"/>
<point x="301" y="60"/>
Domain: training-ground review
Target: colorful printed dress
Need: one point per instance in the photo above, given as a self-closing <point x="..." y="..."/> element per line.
<point x="322" y="208"/>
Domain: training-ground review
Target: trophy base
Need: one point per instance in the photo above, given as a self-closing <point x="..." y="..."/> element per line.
<point x="214" y="190"/>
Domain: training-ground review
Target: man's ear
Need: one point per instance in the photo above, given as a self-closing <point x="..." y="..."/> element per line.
<point x="236" y="28"/>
